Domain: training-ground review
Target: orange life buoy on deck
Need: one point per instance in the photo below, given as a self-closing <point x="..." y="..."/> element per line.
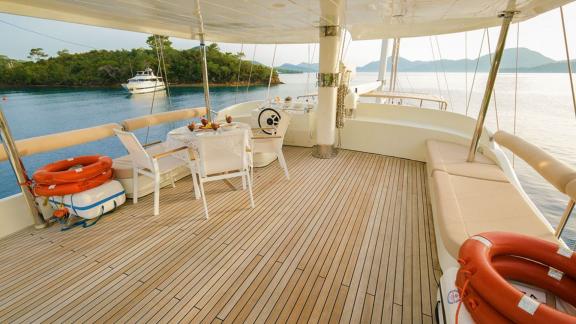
<point x="60" y="173"/>
<point x="488" y="259"/>
<point x="72" y="188"/>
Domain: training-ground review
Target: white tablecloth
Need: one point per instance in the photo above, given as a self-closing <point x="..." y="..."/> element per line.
<point x="182" y="136"/>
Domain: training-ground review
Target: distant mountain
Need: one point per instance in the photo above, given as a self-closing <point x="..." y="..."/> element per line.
<point x="298" y="68"/>
<point x="527" y="61"/>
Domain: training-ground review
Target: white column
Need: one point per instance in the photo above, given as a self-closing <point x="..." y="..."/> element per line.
<point x="328" y="78"/>
<point x="383" y="64"/>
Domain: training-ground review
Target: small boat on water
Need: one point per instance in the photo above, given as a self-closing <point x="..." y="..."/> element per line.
<point x="144" y="82"/>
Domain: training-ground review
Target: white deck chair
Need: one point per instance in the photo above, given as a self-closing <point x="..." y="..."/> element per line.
<point x="272" y="143"/>
<point x="156" y="165"/>
<point x="223" y="157"/>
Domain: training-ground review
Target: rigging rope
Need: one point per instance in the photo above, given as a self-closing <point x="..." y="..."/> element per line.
<point x="435" y="66"/>
<point x="238" y="74"/>
<point x="155" y="84"/>
<point x="475" y="70"/>
<point x="271" y="73"/>
<point x="494" y="89"/>
<point x="165" y="74"/>
<point x="568" y="60"/>
<point x="444" y="73"/>
<point x="46" y="35"/>
<point x="466" y="66"/>
<point x="251" y="67"/>
<point x="516" y="85"/>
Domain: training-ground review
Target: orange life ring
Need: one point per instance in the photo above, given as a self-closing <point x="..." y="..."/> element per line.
<point x="488" y="259"/>
<point x="60" y="173"/>
<point x="72" y="188"/>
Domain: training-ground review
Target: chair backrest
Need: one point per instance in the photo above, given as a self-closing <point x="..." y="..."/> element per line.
<point x="223" y="152"/>
<point x="137" y="153"/>
<point x="283" y="124"/>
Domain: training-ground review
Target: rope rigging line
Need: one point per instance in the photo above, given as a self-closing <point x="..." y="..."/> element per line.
<point x="516" y="85"/>
<point x="568" y="60"/>
<point x="159" y="70"/>
<point x="494" y="89"/>
<point x="435" y="66"/>
<point x="238" y="74"/>
<point x="444" y="73"/>
<point x="165" y="74"/>
<point x="466" y="66"/>
<point x="475" y="71"/>
<point x="251" y="67"/>
<point x="271" y="73"/>
<point x="46" y="35"/>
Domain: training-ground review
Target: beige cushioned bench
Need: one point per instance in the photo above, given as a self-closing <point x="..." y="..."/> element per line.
<point x="472" y="198"/>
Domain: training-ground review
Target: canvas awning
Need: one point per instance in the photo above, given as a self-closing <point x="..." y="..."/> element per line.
<point x="282" y="21"/>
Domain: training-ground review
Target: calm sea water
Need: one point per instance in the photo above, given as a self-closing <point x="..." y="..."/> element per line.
<point x="544" y="116"/>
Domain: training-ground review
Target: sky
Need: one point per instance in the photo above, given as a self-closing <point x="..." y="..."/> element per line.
<point x="542" y="33"/>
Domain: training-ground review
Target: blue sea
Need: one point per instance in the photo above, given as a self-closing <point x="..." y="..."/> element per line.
<point x="544" y="116"/>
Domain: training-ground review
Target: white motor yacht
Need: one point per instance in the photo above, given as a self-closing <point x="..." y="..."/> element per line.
<point x="144" y="82"/>
<point x="392" y="213"/>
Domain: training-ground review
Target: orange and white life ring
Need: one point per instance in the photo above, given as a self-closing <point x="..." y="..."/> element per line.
<point x="60" y="172"/>
<point x="72" y="188"/>
<point x="488" y="260"/>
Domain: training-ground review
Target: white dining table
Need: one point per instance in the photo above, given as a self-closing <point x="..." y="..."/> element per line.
<point x="182" y="136"/>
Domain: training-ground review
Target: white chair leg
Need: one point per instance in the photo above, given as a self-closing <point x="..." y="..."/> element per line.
<point x="283" y="163"/>
<point x="195" y="183"/>
<point x="249" y="189"/>
<point x="204" y="198"/>
<point x="156" y="194"/>
<point x="243" y="183"/>
<point x="134" y="185"/>
<point x="172" y="179"/>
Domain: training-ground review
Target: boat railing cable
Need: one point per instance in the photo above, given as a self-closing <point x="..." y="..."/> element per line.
<point x="475" y="71"/>
<point x="494" y="89"/>
<point x="516" y="88"/>
<point x="239" y="71"/>
<point x="444" y="73"/>
<point x="251" y="69"/>
<point x="271" y="73"/>
<point x="568" y="60"/>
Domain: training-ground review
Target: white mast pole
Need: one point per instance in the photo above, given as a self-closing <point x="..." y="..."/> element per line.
<point x="204" y="63"/>
<point x="383" y="64"/>
<point x="394" y="69"/>
<point x="328" y="80"/>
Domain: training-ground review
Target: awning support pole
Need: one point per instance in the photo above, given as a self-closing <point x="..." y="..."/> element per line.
<point x="395" y="58"/>
<point x="18" y="168"/>
<point x="507" y="19"/>
<point x="383" y="64"/>
<point x="205" y="84"/>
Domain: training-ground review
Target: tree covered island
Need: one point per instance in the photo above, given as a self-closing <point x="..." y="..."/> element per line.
<point x="110" y="68"/>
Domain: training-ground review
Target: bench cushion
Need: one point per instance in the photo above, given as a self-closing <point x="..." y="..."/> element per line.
<point x="468" y="206"/>
<point x="451" y="158"/>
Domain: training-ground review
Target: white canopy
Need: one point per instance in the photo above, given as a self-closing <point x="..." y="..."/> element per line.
<point x="282" y="21"/>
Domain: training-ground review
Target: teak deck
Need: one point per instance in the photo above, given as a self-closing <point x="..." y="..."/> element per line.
<point x="349" y="239"/>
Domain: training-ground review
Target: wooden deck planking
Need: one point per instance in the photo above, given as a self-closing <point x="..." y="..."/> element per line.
<point x="348" y="239"/>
